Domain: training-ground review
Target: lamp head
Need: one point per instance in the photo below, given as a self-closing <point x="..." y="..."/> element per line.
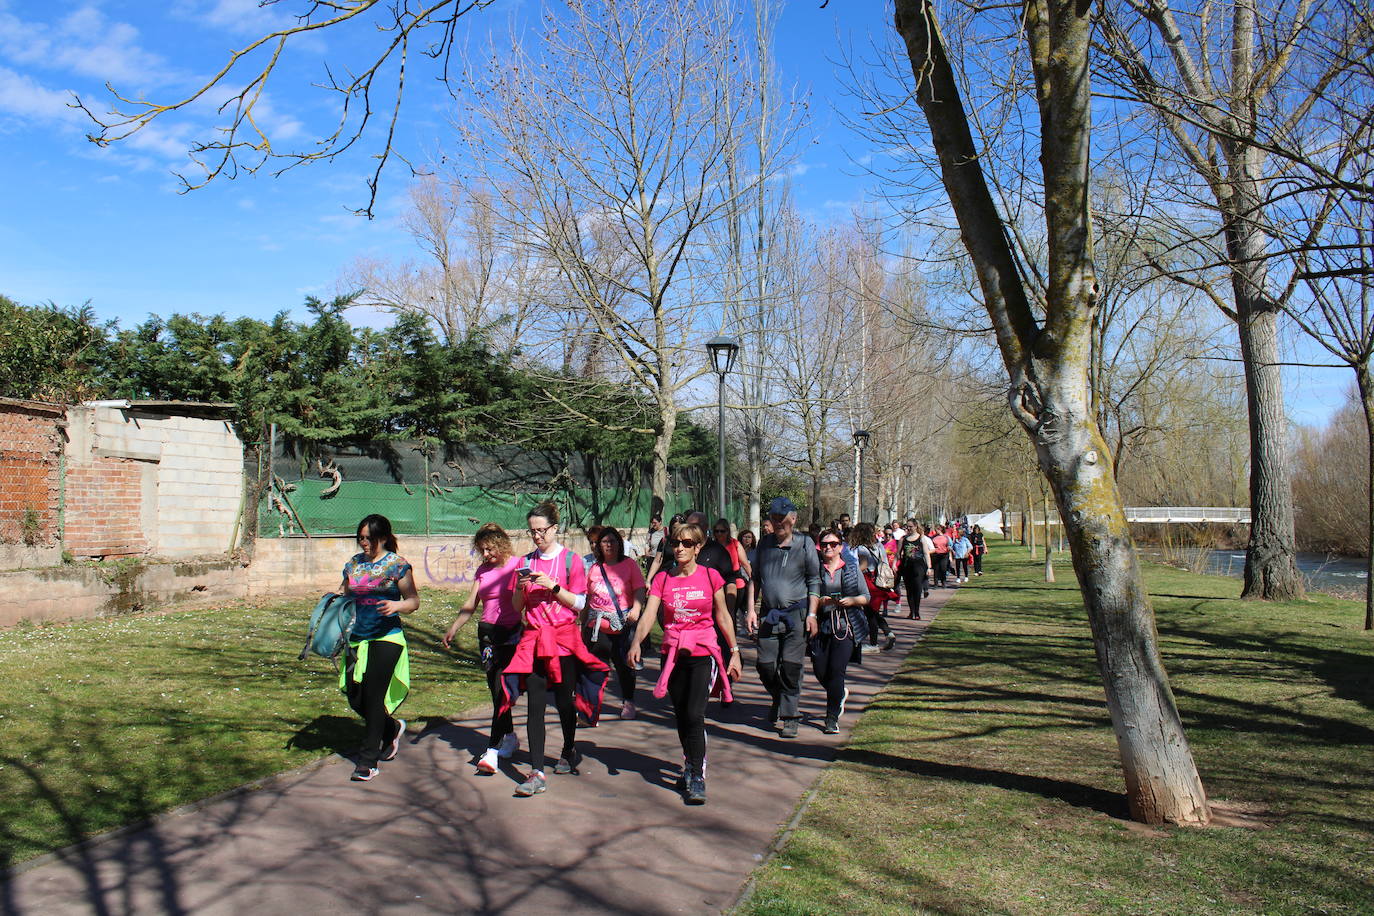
<point x="723" y="351"/>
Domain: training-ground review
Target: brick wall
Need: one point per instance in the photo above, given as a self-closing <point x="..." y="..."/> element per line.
<point x="30" y="450"/>
<point x="104" y="508"/>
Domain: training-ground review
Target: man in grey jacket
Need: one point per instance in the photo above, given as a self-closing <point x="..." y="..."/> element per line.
<point x="787" y="580"/>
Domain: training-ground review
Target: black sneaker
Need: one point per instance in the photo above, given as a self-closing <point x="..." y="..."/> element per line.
<point x="832" y="727"/>
<point x="364" y="773"/>
<point x="890" y="642"/>
<point x="790" y="728"/>
<point x="696" y="790"/>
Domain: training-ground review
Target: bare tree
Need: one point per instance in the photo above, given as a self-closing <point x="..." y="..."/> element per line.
<point x="754" y="236"/>
<point x="1046" y="356"/>
<point x="368" y="92"/>
<point x="606" y="155"/>
<point x="1329" y="225"/>
<point x="1231" y="101"/>
<point x="467" y="282"/>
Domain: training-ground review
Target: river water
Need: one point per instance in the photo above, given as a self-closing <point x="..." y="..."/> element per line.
<point x="1323" y="571"/>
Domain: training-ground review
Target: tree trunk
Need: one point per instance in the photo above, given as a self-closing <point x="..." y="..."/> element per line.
<point x="663" y="444"/>
<point x="1047" y="363"/>
<point x="1366" y="386"/>
<point x="1162" y="783"/>
<point x="1049" y="554"/>
<point x="1271" y="569"/>
<point x="754" y="449"/>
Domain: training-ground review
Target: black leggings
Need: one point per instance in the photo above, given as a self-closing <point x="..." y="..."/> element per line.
<point x="977" y="564"/>
<point x="689" y="687"/>
<point x="611" y="649"/>
<point x="368" y="698"/>
<point x="537" y="688"/>
<point x="961" y="567"/>
<point x="876" y="622"/>
<point x="914" y="578"/>
<point x="941" y="573"/>
<point x="496" y="649"/>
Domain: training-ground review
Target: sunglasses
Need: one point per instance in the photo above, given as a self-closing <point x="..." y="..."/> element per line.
<point x="682" y="542"/>
<point x="830" y="543"/>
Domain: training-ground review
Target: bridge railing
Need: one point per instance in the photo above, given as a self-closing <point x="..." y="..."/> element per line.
<point x="1153" y="515"/>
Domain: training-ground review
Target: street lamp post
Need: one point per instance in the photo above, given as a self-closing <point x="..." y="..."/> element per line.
<point x="723" y="351"/>
<point x="861" y="437"/>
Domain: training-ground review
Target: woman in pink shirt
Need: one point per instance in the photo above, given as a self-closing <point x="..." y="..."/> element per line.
<point x="615" y="596"/>
<point x="692" y="599"/>
<point x="498" y="631"/>
<point x="550" y="590"/>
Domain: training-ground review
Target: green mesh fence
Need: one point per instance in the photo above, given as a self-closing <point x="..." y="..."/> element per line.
<point x="456" y="489"/>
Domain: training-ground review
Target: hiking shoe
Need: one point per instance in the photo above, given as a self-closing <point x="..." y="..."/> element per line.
<point x="628" y="710"/>
<point x="567" y="764"/>
<point x="532" y="786"/>
<point x="889" y="642"/>
<point x="363" y="773"/>
<point x="394" y="747"/>
<point x="832" y="727"/>
<point x="696" y="790"/>
<point x="790" y="728"/>
<point x="487" y="765"/>
<point x="508" y="746"/>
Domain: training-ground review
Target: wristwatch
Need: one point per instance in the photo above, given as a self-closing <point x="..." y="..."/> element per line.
<point x="557" y="588"/>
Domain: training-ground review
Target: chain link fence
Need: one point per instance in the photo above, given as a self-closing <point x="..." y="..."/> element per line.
<point x="453" y="489"/>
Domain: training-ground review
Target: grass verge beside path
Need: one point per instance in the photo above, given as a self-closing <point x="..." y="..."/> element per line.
<point x="107" y="722"/>
<point x="985" y="779"/>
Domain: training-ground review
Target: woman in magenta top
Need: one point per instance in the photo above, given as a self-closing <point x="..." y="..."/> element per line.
<point x="550" y="591"/>
<point x="692" y="599"/>
<point x="615" y="596"/>
<point x="498" y="631"/>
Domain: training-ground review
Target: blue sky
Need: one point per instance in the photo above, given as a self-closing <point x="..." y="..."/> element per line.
<point x="108" y="226"/>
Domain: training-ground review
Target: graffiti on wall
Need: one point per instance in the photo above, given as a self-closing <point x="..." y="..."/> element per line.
<point x="450" y="564"/>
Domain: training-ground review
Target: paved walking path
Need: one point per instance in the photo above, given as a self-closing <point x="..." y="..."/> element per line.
<point x="430" y="836"/>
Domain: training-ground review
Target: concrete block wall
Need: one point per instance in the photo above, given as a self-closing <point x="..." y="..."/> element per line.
<point x="199" y="487"/>
<point x="151" y="482"/>
<point x="30" y="465"/>
<point x="283" y="566"/>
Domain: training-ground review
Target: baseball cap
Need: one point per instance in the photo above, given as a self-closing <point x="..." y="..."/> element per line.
<point x="781" y="505"/>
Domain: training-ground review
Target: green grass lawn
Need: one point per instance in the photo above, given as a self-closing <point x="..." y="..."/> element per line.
<point x="106" y="722"/>
<point x="985" y="778"/>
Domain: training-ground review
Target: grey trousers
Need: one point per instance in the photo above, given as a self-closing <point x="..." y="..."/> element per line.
<point x="780" y="657"/>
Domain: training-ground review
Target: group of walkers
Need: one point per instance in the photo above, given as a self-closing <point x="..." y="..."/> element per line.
<point x="551" y="622"/>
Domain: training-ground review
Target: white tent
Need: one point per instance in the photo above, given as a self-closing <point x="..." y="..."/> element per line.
<point x="991" y="523"/>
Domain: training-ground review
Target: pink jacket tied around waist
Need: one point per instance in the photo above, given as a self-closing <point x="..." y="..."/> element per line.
<point x="690" y="641"/>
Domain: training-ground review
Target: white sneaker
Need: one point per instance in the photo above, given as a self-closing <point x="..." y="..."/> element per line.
<point x="508" y="746"/>
<point x="488" y="764"/>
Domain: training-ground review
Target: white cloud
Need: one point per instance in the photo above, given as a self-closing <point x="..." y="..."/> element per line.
<point x="87" y="43"/>
<point x="241" y="17"/>
<point x="23" y="97"/>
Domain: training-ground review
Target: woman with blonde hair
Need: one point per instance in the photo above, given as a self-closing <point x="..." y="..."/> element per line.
<point x="498" y="631"/>
<point x="692" y="599"/>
